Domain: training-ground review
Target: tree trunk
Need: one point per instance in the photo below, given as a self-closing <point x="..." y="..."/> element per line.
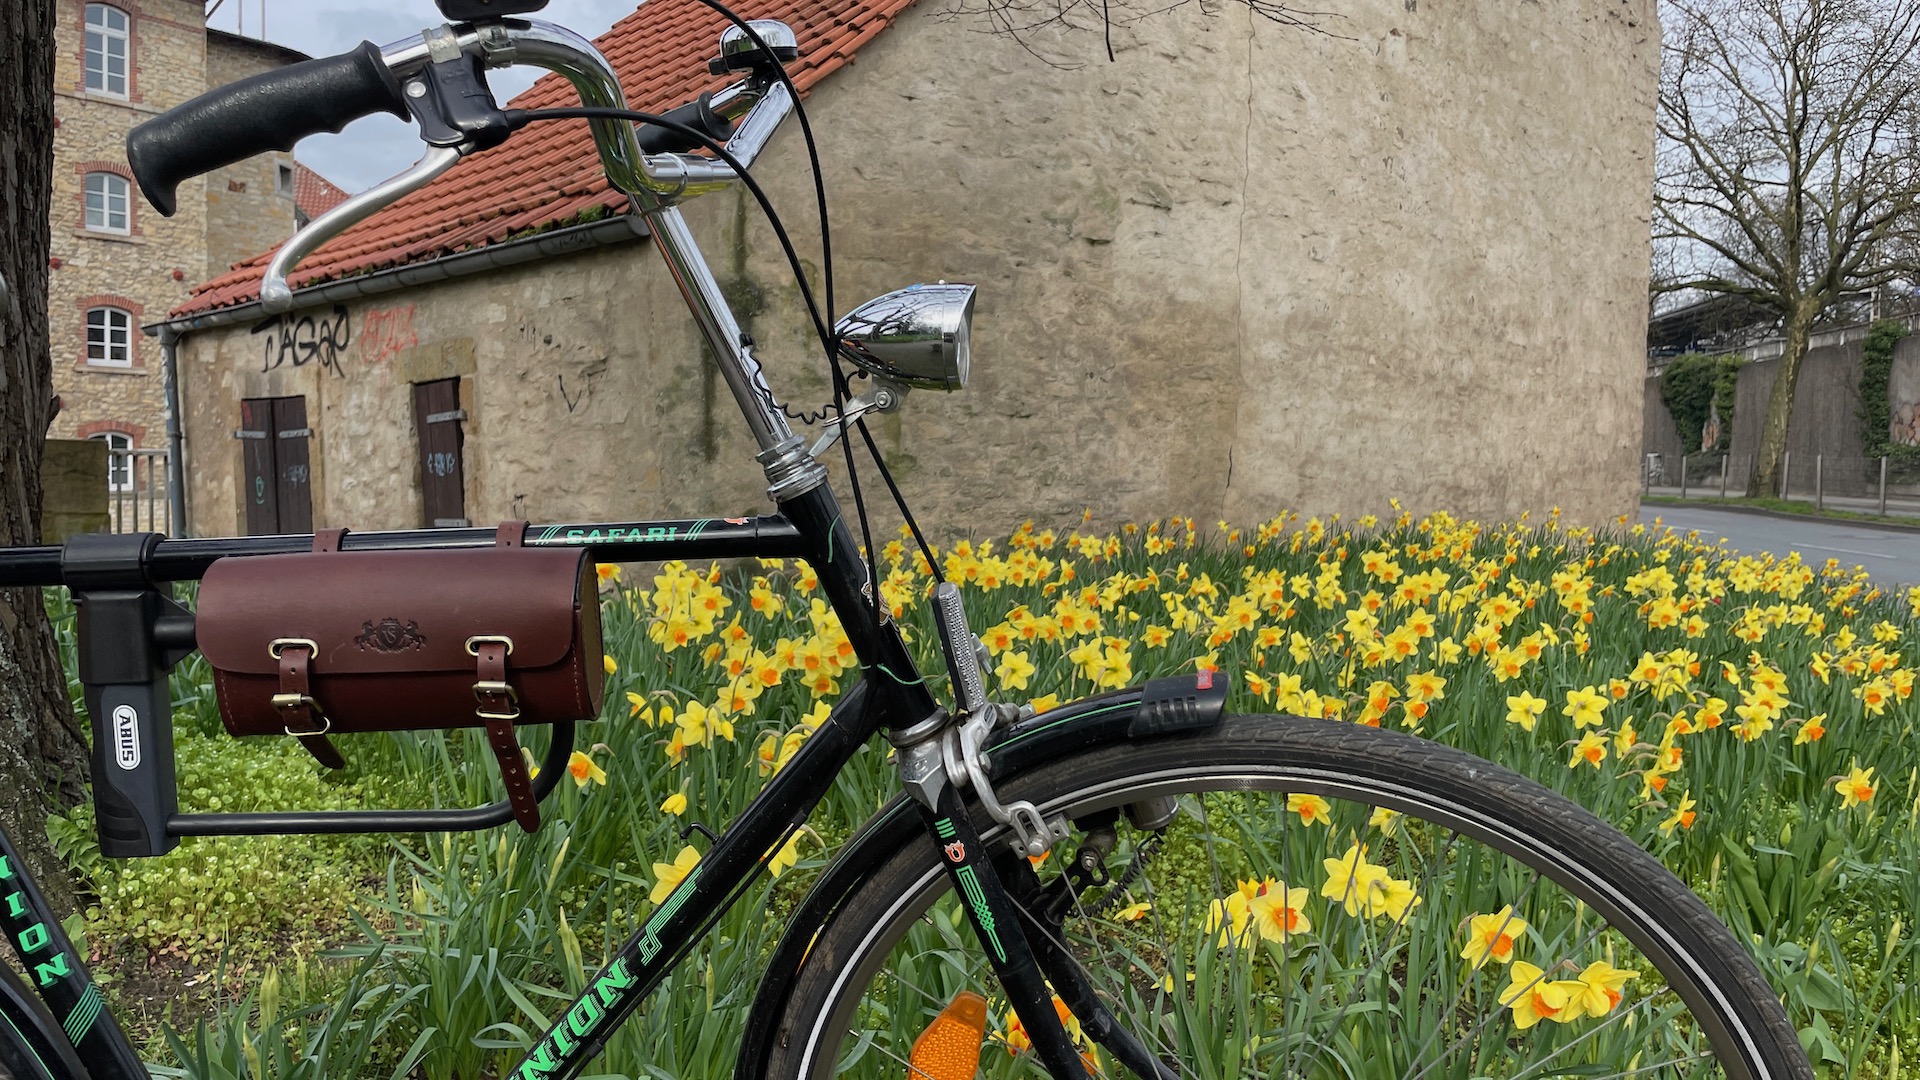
<point x="1764" y="482"/>
<point x="43" y="759"/>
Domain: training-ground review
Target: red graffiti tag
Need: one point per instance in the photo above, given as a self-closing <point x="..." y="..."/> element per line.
<point x="385" y="333"/>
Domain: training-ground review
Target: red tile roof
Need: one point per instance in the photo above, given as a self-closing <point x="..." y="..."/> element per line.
<point x="548" y="172"/>
<point x="314" y="194"/>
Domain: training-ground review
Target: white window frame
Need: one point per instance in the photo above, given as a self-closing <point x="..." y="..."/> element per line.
<point x="119" y="459"/>
<point x="107" y="42"/>
<point x="112" y="333"/>
<point x="114" y="197"/>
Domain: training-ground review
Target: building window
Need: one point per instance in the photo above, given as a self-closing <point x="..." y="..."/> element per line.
<point x="119" y="459"/>
<point x="107" y="50"/>
<point x="109" y="337"/>
<point x="109" y="203"/>
<point x="286" y="180"/>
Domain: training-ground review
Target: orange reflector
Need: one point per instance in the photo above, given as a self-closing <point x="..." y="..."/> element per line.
<point x="950" y="1047"/>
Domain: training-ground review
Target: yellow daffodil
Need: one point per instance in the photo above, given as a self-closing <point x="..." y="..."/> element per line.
<point x="1856" y="787"/>
<point x="1531" y="997"/>
<point x="1585" y="706"/>
<point x="1312" y="808"/>
<point x="1491" y="937"/>
<point x="1591" y="750"/>
<point x="1014" y="670"/>
<point x="1228" y="918"/>
<point x="1597" y="989"/>
<point x="1279" y="913"/>
<point x="1524" y="709"/>
<point x="1361" y="886"/>
<point x="584" y="771"/>
<point x="668" y="876"/>
<point x="1682" y="816"/>
<point x="784" y="858"/>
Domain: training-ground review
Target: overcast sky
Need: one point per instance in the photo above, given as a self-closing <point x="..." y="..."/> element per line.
<point x="375" y="148"/>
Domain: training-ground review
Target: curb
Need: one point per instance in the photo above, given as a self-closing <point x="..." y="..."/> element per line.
<point x="1781" y="515"/>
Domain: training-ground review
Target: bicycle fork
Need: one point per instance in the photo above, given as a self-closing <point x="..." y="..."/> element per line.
<point x="937" y="760"/>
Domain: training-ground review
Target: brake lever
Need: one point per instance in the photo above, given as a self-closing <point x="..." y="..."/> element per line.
<point x="275" y="296"/>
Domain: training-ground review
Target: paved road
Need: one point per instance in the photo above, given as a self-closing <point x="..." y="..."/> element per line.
<point x="1891" y="556"/>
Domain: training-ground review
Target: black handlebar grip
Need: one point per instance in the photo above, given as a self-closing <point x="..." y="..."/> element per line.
<point x="269" y="111"/>
<point x="699" y="115"/>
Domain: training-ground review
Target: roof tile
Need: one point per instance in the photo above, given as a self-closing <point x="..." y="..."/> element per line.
<point x="549" y="173"/>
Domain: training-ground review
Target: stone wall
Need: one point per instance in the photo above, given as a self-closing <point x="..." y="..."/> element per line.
<point x="250" y="203"/>
<point x="149" y="270"/>
<point x="1903" y="392"/>
<point x="231" y="214"/>
<point x="1242" y="269"/>
<point x="73" y="474"/>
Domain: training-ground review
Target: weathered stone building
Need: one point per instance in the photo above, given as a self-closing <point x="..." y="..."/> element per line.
<point x="1240" y="269"/>
<point x="116" y="263"/>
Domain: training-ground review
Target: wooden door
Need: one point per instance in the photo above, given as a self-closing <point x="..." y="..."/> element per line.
<point x="259" y="491"/>
<point x="278" y="480"/>
<point x="293" y="473"/>
<point x="438" y="417"/>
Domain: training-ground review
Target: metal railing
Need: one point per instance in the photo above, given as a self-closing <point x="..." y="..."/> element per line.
<point x="137" y="492"/>
<point x="1872" y="485"/>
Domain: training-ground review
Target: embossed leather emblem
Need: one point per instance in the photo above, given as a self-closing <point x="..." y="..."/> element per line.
<point x="390" y="636"/>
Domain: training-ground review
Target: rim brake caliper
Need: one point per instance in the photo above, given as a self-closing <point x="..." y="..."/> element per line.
<point x="961" y="744"/>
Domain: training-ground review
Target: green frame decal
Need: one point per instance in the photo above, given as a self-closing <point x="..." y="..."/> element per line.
<point x="977" y="898"/>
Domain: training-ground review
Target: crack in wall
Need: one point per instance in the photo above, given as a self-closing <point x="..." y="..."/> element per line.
<point x="1239" y="264"/>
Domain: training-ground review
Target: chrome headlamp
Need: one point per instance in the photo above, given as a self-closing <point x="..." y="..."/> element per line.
<point x="916" y="336"/>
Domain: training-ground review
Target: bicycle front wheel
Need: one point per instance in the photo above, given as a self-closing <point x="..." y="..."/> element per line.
<point x="1327" y="900"/>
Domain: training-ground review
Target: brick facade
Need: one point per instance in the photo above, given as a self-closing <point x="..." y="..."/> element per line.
<point x="148" y="269"/>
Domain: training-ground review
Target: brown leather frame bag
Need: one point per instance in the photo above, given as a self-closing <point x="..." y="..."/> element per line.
<point x="333" y="641"/>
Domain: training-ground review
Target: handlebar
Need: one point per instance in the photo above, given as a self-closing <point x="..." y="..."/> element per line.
<point x="275" y="109"/>
<point x="269" y="111"/>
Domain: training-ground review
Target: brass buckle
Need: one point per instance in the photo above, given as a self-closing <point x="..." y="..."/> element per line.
<point x="275" y="646"/>
<point x="474" y="643"/>
<point x="295" y="701"/>
<point x="485" y="687"/>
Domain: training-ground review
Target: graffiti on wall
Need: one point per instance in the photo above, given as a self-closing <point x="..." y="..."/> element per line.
<point x="386" y="332"/>
<point x="300" y="340"/>
<point x="1905" y="428"/>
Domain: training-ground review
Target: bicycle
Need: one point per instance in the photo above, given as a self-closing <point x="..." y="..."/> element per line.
<point x="1172" y="937"/>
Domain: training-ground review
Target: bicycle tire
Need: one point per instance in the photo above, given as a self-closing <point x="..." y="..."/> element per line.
<point x="852" y="981"/>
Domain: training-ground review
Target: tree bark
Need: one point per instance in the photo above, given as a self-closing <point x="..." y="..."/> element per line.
<point x="43" y="758"/>
<point x="1764" y="482"/>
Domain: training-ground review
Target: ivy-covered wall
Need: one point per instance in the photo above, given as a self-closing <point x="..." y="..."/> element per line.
<point x="1889" y="422"/>
<point x="1856" y="401"/>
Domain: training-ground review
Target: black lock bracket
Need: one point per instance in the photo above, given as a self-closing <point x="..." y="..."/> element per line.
<point x="130" y="636"/>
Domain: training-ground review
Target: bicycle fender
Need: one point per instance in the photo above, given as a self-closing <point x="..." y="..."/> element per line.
<point x="1161" y="708"/>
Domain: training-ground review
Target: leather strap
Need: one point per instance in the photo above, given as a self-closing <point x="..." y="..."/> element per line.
<point x="497" y="707"/>
<point x="295" y="701"/>
<point x="510" y="534"/>
<point x="304" y="721"/>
